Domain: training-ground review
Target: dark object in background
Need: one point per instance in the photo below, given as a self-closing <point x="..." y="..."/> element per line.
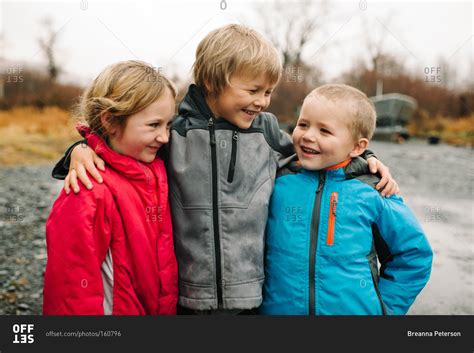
<point x="394" y="111"/>
<point x="433" y="140"/>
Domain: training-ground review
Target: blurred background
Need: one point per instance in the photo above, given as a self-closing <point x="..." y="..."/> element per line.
<point x="414" y="59"/>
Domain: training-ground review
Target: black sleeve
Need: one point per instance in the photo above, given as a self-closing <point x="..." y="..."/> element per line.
<point x="367" y="154"/>
<point x="61" y="169"/>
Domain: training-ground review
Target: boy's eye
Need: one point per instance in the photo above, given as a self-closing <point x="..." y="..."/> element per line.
<point x="154" y="125"/>
<point x="253" y="91"/>
<point x="302" y="124"/>
<point x="326" y="131"/>
<point x="268" y="93"/>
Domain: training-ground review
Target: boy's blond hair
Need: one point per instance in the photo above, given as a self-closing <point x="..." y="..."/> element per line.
<point x="360" y="108"/>
<point x="121" y="89"/>
<point x="234" y="49"/>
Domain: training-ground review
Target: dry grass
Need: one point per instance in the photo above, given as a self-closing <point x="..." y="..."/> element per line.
<point x="34" y="136"/>
<point x="455" y="131"/>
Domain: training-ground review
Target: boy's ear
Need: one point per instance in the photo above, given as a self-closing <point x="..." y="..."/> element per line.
<point x="360" y="146"/>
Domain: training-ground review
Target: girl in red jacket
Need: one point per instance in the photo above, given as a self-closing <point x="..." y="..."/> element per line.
<point x="110" y="249"/>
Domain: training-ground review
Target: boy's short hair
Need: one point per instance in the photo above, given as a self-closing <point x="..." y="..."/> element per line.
<point x="359" y="106"/>
<point x="233" y="49"/>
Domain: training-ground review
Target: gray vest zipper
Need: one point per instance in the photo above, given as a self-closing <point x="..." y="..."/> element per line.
<point x="230" y="175"/>
<point x="313" y="242"/>
<point x="215" y="215"/>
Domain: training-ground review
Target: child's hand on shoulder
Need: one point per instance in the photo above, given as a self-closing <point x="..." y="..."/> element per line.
<point x="83" y="160"/>
<point x="387" y="184"/>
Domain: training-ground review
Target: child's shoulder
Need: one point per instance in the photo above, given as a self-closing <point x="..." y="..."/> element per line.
<point x="358" y="170"/>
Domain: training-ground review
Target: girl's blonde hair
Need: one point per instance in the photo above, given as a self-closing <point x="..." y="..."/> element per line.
<point x="121" y="89"/>
<point x="234" y="49"/>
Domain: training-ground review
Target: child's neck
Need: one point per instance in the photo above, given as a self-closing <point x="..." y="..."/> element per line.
<point x="340" y="164"/>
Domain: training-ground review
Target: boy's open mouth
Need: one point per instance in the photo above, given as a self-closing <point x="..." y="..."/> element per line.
<point x="251" y="112"/>
<point x="309" y="150"/>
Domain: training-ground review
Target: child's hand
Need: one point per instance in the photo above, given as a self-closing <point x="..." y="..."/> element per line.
<point x="83" y="160"/>
<point x="387" y="184"/>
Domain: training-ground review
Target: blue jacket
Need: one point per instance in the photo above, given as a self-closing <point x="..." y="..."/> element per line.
<point x="324" y="234"/>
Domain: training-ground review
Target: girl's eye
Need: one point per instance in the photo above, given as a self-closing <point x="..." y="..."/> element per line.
<point x="326" y="131"/>
<point x="268" y="93"/>
<point x="155" y="125"/>
<point x="253" y="91"/>
<point x="302" y="124"/>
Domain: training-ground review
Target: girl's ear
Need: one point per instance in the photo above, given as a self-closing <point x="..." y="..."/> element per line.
<point x="105" y="118"/>
<point x="359" y="147"/>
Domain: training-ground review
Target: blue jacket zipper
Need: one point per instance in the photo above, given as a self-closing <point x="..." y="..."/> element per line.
<point x="313" y="242"/>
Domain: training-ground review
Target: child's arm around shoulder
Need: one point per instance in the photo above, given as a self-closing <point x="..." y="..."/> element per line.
<point x="279" y="140"/>
<point x="407" y="255"/>
<point x="78" y="237"/>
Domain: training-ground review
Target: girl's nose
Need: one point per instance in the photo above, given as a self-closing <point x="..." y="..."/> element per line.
<point x="163" y="136"/>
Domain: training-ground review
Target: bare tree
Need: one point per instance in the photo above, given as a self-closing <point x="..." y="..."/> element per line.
<point x="291" y="25"/>
<point x="48" y="45"/>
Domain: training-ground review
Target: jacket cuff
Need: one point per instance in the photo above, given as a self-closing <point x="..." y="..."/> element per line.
<point x="367" y="154"/>
<point x="61" y="169"/>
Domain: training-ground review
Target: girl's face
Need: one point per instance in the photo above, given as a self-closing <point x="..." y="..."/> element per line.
<point x="146" y="131"/>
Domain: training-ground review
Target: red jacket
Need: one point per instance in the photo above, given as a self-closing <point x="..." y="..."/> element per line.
<point x="126" y="217"/>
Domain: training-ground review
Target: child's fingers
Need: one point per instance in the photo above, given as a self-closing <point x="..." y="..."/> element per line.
<point x="382" y="184"/>
<point x="391" y="188"/>
<point x="67" y="184"/>
<point x="73" y="180"/>
<point x="372" y="162"/>
<point x="92" y="170"/>
<point x="82" y="175"/>
<point x="100" y="164"/>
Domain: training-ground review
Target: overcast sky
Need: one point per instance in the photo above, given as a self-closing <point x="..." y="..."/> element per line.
<point x="93" y="34"/>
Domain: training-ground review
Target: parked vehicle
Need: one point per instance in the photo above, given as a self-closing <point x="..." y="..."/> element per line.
<point x="394" y="111"/>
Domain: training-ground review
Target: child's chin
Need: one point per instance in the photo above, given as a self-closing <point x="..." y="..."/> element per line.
<point x="147" y="159"/>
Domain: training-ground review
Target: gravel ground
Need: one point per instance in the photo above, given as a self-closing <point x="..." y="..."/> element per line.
<point x="436" y="182"/>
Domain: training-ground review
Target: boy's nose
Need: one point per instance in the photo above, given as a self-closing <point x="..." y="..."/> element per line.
<point x="260" y="101"/>
<point x="309" y="137"/>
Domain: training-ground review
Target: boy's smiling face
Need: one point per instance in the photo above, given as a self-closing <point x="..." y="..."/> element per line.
<point x="242" y="100"/>
<point x="322" y="137"/>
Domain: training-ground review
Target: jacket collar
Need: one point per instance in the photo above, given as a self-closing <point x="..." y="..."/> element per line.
<point x="124" y="165"/>
<point x="194" y="104"/>
<point x="348" y="169"/>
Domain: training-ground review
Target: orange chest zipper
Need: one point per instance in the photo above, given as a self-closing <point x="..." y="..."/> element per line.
<point x="332" y="218"/>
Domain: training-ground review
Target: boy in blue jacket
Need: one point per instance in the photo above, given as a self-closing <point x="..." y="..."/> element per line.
<point x="327" y="223"/>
